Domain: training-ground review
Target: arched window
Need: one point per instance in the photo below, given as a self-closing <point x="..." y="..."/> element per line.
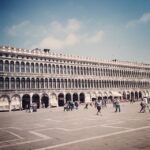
<point x="1" y="65"/>
<point x="11" y="66"/>
<point x="61" y="69"/>
<point x="37" y="83"/>
<point x="7" y="83"/>
<point x="17" y="67"/>
<point x="1" y="83"/>
<point x="53" y="69"/>
<point x="42" y="83"/>
<point x="12" y="83"/>
<point x="6" y="66"/>
<point x="49" y="68"/>
<point x="50" y="83"/>
<point x="23" y="83"/>
<point x="32" y="67"/>
<point x="27" y="67"/>
<point x="33" y="83"/>
<point x="41" y="68"/>
<point x="54" y="83"/>
<point x="22" y="67"/>
<point x="45" y="68"/>
<point x="58" y="83"/>
<point x="18" y="83"/>
<point x="57" y="69"/>
<point x="28" y="83"/>
<point x="37" y="68"/>
<point x="46" y="83"/>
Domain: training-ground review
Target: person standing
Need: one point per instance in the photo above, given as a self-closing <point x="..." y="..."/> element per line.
<point x="99" y="106"/>
<point x="117" y="105"/>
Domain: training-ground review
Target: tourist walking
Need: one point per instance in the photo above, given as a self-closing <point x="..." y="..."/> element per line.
<point x="98" y="106"/>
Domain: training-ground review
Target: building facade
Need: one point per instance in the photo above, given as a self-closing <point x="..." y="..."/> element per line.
<point x="51" y="79"/>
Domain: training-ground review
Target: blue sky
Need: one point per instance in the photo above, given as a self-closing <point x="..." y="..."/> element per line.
<point x="107" y="29"/>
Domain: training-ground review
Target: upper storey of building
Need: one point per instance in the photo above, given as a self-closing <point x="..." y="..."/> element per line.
<point x="47" y="54"/>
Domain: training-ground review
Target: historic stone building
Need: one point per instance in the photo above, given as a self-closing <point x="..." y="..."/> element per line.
<point x="49" y="78"/>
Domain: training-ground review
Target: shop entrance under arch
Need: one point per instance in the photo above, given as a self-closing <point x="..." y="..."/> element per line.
<point x="75" y="97"/>
<point x="45" y="101"/>
<point x="68" y="97"/>
<point x="36" y="99"/>
<point x="26" y="101"/>
<point x="82" y="98"/>
<point x="61" y="100"/>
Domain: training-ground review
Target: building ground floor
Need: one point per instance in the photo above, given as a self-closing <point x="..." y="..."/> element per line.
<point x="18" y="100"/>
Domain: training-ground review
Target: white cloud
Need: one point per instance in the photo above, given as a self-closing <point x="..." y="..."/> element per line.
<point x="17" y="29"/>
<point x="56" y="35"/>
<point x="95" y="38"/>
<point x="145" y="18"/>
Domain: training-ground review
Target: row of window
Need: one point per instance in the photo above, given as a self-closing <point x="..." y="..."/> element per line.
<point x="71" y="70"/>
<point x="37" y="83"/>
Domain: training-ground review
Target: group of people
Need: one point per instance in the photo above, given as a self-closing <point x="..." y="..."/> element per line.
<point x="70" y="105"/>
<point x="31" y="108"/>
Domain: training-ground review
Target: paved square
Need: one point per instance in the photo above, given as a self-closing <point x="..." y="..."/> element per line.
<point x="78" y="129"/>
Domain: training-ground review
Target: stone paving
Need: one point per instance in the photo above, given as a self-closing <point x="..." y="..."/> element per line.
<point x="79" y="129"/>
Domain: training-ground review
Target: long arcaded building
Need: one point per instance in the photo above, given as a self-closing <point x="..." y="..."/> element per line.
<point x="50" y="79"/>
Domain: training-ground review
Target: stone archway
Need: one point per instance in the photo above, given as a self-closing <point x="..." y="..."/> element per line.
<point x="26" y="101"/>
<point x="82" y="98"/>
<point x="45" y="101"/>
<point x="140" y="94"/>
<point x="53" y="100"/>
<point x="15" y="102"/>
<point x="68" y="97"/>
<point x="36" y="99"/>
<point x="75" y="97"/>
<point x="136" y="95"/>
<point x="4" y="103"/>
<point x="61" y="100"/>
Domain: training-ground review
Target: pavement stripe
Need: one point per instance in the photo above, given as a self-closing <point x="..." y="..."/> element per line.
<point x="93" y="138"/>
<point x="18" y="136"/>
<point x="40" y="135"/>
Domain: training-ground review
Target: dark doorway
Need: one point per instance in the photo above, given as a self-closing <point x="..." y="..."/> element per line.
<point x="36" y="99"/>
<point x="82" y="98"/>
<point x="45" y="101"/>
<point x="75" y="97"/>
<point x="26" y="102"/>
<point x="124" y="95"/>
<point x="68" y="97"/>
<point x="140" y="94"/>
<point x="136" y="95"/>
<point x="61" y="100"/>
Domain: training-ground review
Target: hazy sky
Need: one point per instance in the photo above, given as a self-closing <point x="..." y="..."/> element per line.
<point x="107" y="29"/>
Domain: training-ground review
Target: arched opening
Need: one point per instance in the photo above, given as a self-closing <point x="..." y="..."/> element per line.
<point x="75" y="97"/>
<point x="128" y="96"/>
<point x="15" y="102"/>
<point x="4" y="103"/>
<point x="124" y="95"/>
<point x="136" y="95"/>
<point x="26" y="102"/>
<point x="140" y="94"/>
<point x="68" y="97"/>
<point x="82" y="98"/>
<point x="36" y="99"/>
<point x="61" y="100"/>
<point x="53" y="100"/>
<point x="132" y="96"/>
<point x="45" y="101"/>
